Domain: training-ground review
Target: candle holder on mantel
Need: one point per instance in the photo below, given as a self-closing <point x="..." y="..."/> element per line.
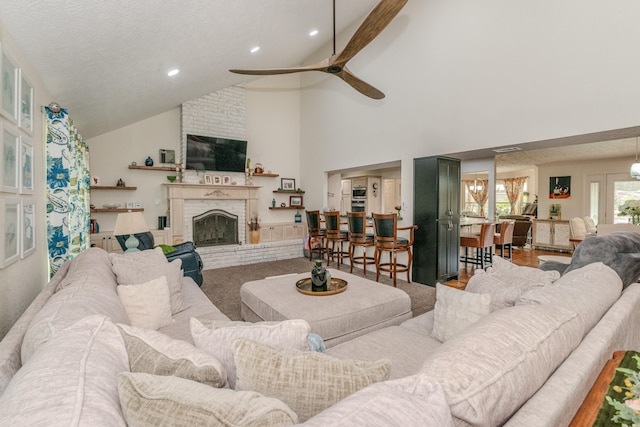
<point x="248" y="177"/>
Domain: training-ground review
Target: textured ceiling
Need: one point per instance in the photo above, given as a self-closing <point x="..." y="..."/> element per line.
<point x="107" y="61"/>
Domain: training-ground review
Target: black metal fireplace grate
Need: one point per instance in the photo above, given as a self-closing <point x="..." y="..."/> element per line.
<point x="214" y="228"/>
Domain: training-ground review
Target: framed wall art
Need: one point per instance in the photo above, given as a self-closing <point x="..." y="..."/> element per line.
<point x="217" y="180"/>
<point x="9" y="81"/>
<point x="26" y="104"/>
<point x="288" y="184"/>
<point x="26" y="167"/>
<point x="10" y="231"/>
<point x="10" y="143"/>
<point x="295" y="201"/>
<point x="559" y="187"/>
<point x="208" y="179"/>
<point x="28" y="226"/>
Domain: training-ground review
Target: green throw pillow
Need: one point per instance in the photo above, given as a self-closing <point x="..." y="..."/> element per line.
<point x="166" y="249"/>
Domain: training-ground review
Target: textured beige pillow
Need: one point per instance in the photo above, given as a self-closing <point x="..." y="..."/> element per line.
<point x="501" y="266"/>
<point x="495" y="365"/>
<point x="455" y="310"/>
<point x="217" y="342"/>
<point x="147" y="305"/>
<point x="155" y="353"/>
<point x="150" y="400"/>
<point x="140" y="267"/>
<point x="307" y="381"/>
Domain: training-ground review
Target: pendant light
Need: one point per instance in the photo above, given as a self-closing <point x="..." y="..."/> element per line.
<point x="635" y="167"/>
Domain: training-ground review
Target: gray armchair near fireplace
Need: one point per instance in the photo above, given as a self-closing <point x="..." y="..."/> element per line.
<point x="191" y="261"/>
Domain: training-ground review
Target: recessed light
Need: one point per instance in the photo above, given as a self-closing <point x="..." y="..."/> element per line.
<point x="255" y="49"/>
<point x="313" y="33"/>
<point x="507" y="149"/>
<point x="173" y="72"/>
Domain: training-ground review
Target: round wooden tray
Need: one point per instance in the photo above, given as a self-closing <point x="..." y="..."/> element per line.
<point x="335" y="287"/>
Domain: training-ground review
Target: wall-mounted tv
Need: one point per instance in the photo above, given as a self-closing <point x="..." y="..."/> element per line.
<point x="216" y="154"/>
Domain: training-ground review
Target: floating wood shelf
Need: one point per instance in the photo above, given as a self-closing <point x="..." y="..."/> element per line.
<point x="288" y="191"/>
<point x="104" y="210"/>
<point x="266" y="174"/>
<point x="154" y="168"/>
<point x="111" y="187"/>
<point x="287" y="207"/>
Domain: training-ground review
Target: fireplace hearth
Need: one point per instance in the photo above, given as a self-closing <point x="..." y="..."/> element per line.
<point x="215" y="228"/>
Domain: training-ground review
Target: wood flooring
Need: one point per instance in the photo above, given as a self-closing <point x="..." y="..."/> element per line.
<point x="521" y="256"/>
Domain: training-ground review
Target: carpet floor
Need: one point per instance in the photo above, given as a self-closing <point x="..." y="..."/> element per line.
<point x="222" y="285"/>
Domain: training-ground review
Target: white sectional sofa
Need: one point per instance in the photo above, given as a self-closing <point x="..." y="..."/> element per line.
<point x="528" y="361"/>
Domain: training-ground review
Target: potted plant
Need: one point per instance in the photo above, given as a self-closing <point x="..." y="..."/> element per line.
<point x="254" y="227"/>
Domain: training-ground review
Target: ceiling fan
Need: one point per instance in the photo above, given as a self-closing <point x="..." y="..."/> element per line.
<point x="373" y="25"/>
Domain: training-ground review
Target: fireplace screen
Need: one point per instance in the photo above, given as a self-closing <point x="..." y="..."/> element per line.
<point x="215" y="227"/>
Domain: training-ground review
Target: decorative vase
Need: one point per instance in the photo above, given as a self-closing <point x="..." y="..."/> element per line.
<point x="320" y="278"/>
<point x="149" y="161"/>
<point x="255" y="237"/>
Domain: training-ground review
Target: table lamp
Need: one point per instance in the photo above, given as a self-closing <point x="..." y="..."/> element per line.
<point x="128" y="224"/>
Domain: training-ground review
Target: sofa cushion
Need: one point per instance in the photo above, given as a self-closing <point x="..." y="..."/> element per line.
<point x="307" y="381"/>
<point x="589" y="291"/>
<point x="71" y="380"/>
<point x="217" y="341"/>
<point x="150" y="401"/>
<point x="455" y="310"/>
<point x="147" y="304"/>
<point x="505" y="268"/>
<point x="491" y="368"/>
<point x="155" y="353"/>
<point x="90" y="288"/>
<point x="413" y="401"/>
<point x="140" y="267"/>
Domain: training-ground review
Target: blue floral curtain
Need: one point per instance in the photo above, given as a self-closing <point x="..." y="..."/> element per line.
<point x="68" y="214"/>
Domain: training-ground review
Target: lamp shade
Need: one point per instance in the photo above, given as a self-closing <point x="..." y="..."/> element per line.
<point x="130" y="223"/>
<point x="635" y="170"/>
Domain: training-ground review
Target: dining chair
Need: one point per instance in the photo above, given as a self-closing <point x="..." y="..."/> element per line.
<point x="386" y="239"/>
<point x="482" y="243"/>
<point x="335" y="236"/>
<point x="358" y="237"/>
<point x="504" y="239"/>
<point x="316" y="234"/>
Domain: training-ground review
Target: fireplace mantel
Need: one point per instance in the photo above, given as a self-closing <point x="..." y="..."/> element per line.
<point x="179" y="192"/>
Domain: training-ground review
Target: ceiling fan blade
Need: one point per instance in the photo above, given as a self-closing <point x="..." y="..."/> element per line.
<point x="320" y="66"/>
<point x="374" y="23"/>
<point x="360" y="85"/>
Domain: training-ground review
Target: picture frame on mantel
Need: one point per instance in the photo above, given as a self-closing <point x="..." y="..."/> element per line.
<point x="208" y="179"/>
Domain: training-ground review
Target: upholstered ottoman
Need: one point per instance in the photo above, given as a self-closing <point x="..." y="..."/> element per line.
<point x="363" y="307"/>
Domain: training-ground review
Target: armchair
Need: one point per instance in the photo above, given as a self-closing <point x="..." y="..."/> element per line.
<point x="191" y="262"/>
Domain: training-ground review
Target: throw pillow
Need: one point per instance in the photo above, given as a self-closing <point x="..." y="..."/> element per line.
<point x="307" y="381"/>
<point x="500" y="265"/>
<point x="456" y="309"/>
<point x="147" y="305"/>
<point x="140" y="267"/>
<point x="155" y="353"/>
<point x="589" y="291"/>
<point x="149" y="401"/>
<point x="217" y="342"/>
<point x="71" y="380"/>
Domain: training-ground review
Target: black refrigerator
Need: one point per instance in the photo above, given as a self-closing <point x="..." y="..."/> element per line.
<point x="436" y="212"/>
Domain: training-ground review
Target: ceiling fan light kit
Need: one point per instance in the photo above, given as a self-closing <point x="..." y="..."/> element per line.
<point x="381" y="15"/>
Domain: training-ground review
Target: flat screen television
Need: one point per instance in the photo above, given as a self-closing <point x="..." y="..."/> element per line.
<point x="216" y="154"/>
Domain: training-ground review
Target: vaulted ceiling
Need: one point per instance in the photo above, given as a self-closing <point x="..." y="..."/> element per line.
<point x="107" y="61"/>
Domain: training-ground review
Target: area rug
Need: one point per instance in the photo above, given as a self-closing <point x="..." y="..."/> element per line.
<point x="222" y="285"/>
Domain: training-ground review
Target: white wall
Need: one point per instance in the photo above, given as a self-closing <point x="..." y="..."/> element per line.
<point x="21" y="281"/>
<point x="112" y="153"/>
<point x="463" y="75"/>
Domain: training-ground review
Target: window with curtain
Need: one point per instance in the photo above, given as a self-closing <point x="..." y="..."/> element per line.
<point x="68" y="214"/>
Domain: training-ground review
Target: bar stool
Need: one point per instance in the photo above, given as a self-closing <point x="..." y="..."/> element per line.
<point x="317" y="235"/>
<point x="335" y="236"/>
<point x="480" y="242"/>
<point x="358" y="237"/>
<point x="385" y="232"/>
<point x="504" y="239"/>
